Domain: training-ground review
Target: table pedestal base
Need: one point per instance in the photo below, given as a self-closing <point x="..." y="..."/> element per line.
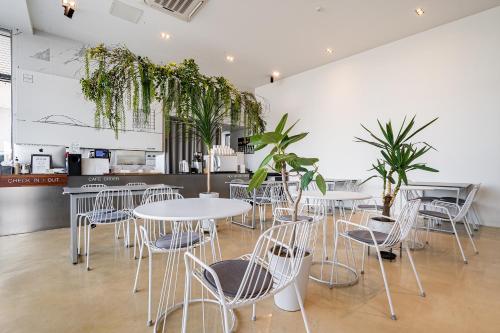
<point x="347" y="277"/>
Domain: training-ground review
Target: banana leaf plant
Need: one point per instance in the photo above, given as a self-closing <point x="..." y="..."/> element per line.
<point x="286" y="163"/>
<point x="399" y="156"/>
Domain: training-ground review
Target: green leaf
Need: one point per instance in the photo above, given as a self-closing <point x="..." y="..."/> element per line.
<point x="320" y="181"/>
<point x="306" y="161"/>
<point x="266" y="160"/>
<point x="257" y="179"/>
<point x="287" y="141"/>
<point x="270" y="138"/>
<point x="306" y="179"/>
<point x="281" y="124"/>
<point x="260" y="146"/>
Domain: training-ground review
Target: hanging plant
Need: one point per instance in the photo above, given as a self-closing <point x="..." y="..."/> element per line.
<point x="116" y="80"/>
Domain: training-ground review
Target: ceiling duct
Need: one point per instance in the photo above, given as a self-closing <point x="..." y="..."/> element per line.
<point x="183" y="9"/>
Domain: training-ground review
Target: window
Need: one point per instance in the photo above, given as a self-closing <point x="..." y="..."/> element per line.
<point x="5" y="95"/>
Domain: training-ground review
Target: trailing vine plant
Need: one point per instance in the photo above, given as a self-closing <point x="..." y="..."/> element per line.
<point x="116" y="80"/>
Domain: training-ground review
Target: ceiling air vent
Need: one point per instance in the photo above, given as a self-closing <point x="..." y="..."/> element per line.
<point x="183" y="9"/>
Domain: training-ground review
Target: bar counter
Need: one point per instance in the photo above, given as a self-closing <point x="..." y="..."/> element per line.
<point x="35" y="202"/>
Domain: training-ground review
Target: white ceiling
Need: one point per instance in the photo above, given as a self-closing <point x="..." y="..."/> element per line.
<point x="289" y="36"/>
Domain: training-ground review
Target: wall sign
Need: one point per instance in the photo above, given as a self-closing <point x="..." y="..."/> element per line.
<point x="33" y="180"/>
<point x="40" y="163"/>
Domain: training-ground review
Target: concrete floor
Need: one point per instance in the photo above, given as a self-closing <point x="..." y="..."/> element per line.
<point x="40" y="291"/>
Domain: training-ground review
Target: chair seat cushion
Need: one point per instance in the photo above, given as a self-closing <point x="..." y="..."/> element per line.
<point x="231" y="273"/>
<point x="182" y="240"/>
<point x="365" y="237"/>
<point x="288" y="218"/>
<point x="108" y="216"/>
<point x="377" y="207"/>
<point x="427" y="199"/>
<point x="436" y="214"/>
<point x="453" y="200"/>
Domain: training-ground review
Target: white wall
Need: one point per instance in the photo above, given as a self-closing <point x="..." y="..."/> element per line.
<point x="451" y="72"/>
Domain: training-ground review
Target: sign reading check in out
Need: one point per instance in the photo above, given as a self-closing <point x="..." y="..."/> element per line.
<point x="33" y="180"/>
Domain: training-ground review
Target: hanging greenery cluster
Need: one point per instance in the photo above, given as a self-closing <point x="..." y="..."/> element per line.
<point x="117" y="79"/>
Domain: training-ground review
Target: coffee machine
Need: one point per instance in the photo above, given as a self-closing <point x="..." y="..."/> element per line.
<point x="197" y="163"/>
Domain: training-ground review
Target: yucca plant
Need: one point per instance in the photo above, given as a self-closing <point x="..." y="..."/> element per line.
<point x="398" y="157"/>
<point x="286" y="163"/>
<point x="206" y="117"/>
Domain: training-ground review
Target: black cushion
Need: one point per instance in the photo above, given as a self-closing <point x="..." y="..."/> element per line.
<point x="432" y="213"/>
<point x="377" y="207"/>
<point x="365" y="237"/>
<point x="288" y="218"/>
<point x="231" y="273"/>
<point x="453" y="200"/>
<point x="180" y="241"/>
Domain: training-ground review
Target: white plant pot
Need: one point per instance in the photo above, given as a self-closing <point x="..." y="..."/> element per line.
<point x="380" y="226"/>
<point x="206" y="224"/>
<point x="287" y="298"/>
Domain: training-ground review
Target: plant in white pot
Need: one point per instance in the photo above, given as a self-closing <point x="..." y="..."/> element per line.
<point x="399" y="155"/>
<point x="280" y="160"/>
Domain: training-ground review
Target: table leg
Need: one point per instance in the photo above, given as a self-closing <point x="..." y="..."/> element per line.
<point x="73" y="231"/>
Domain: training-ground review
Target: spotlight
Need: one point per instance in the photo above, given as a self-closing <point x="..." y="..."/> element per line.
<point x="69" y="7"/>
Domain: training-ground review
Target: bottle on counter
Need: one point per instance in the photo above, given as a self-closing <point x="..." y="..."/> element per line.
<point x="16" y="166"/>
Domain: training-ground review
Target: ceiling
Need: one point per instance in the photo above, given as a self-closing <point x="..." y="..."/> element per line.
<point x="288" y="36"/>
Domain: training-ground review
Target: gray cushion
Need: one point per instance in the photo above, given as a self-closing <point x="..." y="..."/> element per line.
<point x="105" y="216"/>
<point x="365" y="237"/>
<point x="453" y="200"/>
<point x="377" y="207"/>
<point x="428" y="199"/>
<point x="432" y="213"/>
<point x="288" y="218"/>
<point x="231" y="273"/>
<point x="180" y="241"/>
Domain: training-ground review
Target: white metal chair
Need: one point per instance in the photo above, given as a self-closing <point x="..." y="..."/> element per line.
<point x="253" y="277"/>
<point x="238" y="190"/>
<point x="279" y="203"/>
<point x="157" y="237"/>
<point x="453" y="213"/>
<point x="111" y="207"/>
<point x="83" y="207"/>
<point x="379" y="241"/>
<point x="262" y="200"/>
<point x="472" y="214"/>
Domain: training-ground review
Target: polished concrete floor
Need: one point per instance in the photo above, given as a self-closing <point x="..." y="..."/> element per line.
<point x="40" y="291"/>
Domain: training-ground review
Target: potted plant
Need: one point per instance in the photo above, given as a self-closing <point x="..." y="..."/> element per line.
<point x="280" y="160"/>
<point x="399" y="155"/>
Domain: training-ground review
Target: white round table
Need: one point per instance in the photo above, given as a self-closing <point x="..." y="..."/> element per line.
<point x="192" y="209"/>
<point x="349" y="275"/>
<point x="186" y="211"/>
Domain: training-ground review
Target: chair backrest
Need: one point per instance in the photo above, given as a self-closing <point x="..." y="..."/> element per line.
<point x="315" y="209"/>
<point x="85" y="205"/>
<point x="163" y="191"/>
<point x="238" y="191"/>
<point x="112" y="205"/>
<point x="278" y="198"/>
<point x="263" y="192"/>
<point x="153" y="229"/>
<point x="404" y="223"/>
<point x="468" y="202"/>
<point x="279" y="250"/>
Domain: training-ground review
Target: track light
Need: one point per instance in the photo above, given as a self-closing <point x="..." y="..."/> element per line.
<point x="69" y="7"/>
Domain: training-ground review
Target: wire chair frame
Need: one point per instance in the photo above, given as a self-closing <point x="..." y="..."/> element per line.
<point x="401" y="228"/>
<point x="83" y="207"/>
<point x="291" y="241"/>
<point x="112" y="206"/>
<point x="461" y="215"/>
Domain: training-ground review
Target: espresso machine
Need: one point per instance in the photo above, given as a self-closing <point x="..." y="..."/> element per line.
<point x="197" y="163"/>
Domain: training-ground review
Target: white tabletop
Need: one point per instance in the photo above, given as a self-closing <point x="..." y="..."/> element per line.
<point x="439" y="184"/>
<point x="134" y="188"/>
<point x="336" y="195"/>
<point x="192" y="209"/>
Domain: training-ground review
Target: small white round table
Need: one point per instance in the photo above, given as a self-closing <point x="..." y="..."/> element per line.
<point x="185" y="211"/>
<point x="350" y="275"/>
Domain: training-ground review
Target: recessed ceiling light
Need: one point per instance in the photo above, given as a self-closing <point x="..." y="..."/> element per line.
<point x="419" y="11"/>
<point x="276" y="74"/>
<point x="229" y="58"/>
<point x="329" y="50"/>
<point x="164" y="35"/>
